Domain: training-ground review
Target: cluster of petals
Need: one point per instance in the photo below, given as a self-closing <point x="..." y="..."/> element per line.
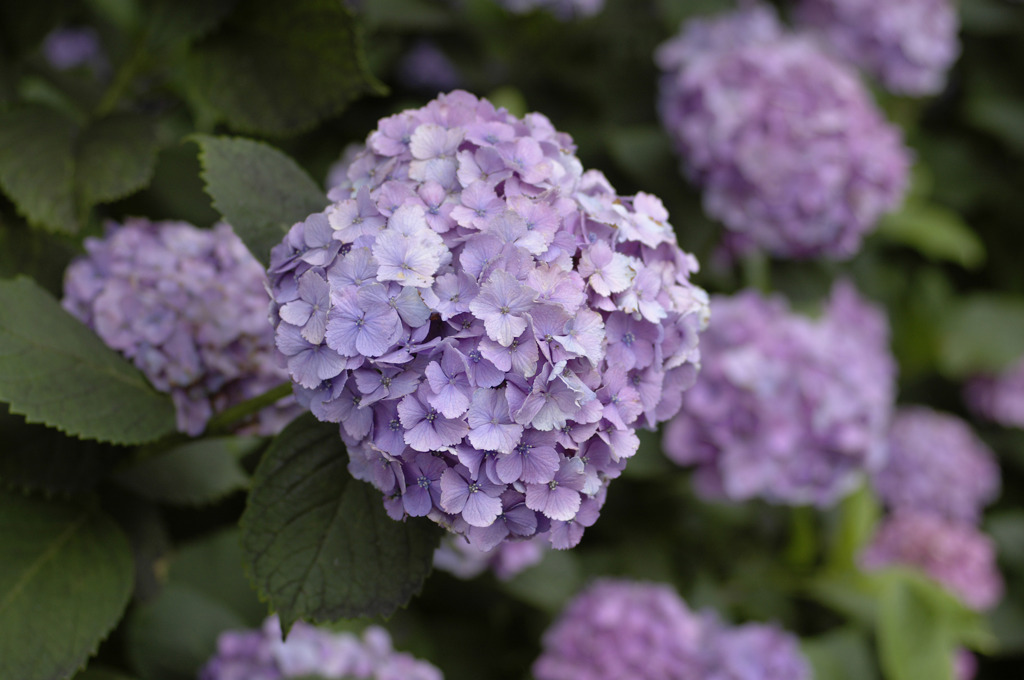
<point x="563" y="9"/>
<point x="506" y="560"/>
<point x="488" y="323"/>
<point x="308" y="651"/>
<point x="955" y="554"/>
<point x="788" y="408"/>
<point x="999" y="397"/>
<point x="937" y="465"/>
<point x="908" y="46"/>
<point x="791" y="152"/>
<point x="188" y="307"/>
<point x="626" y="629"/>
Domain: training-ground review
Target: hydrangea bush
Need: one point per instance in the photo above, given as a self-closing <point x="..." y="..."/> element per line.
<point x="998" y="397"/>
<point x="267" y="654"/>
<point x="788" y="408"/>
<point x="488" y="323"/>
<point x="629" y="629"/>
<point x="790" y="151"/>
<point x="188" y="307"/>
<point x="908" y="47"/>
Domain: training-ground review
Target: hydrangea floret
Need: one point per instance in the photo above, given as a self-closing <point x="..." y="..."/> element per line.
<point x="308" y="651"/>
<point x="955" y="554"/>
<point x="907" y="46"/>
<point x="188" y="307"/>
<point x="507" y="559"/>
<point x="488" y="323"/>
<point x="788" y="408"/>
<point x="562" y="9"/>
<point x="628" y="629"/>
<point x="937" y="465"/>
<point x="791" y="152"/>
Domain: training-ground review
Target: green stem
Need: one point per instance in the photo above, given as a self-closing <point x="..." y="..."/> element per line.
<point x="803" y="545"/>
<point x="122" y="79"/>
<point x="225" y="419"/>
<point x="756" y="271"/>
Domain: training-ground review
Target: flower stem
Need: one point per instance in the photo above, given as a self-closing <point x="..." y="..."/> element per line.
<point x="225" y="419"/>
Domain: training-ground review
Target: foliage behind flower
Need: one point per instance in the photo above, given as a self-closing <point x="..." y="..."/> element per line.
<point x="937" y="465"/>
<point x="790" y="150"/>
<point x="488" y="322"/>
<point x="188" y="307"/>
<point x="787" y="408"/>
<point x="627" y="629"/>
<point x="308" y="651"/>
<point x="908" y="45"/>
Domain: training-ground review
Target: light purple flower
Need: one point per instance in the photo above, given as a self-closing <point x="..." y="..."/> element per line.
<point x="907" y="46"/>
<point x="955" y="554"/>
<point x="999" y="397"/>
<point x="792" y="154"/>
<point x="789" y="409"/>
<point x="187" y="306"/>
<point x="506" y="559"/>
<point x="753" y="651"/>
<point x="472" y="268"/>
<point x="937" y="465"/>
<point x="562" y="9"/>
<point x="307" y="651"/>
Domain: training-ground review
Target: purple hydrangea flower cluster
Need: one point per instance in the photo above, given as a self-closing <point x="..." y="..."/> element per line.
<point x="459" y="558"/>
<point x="188" y="307"/>
<point x="68" y="48"/>
<point x="488" y="322"/>
<point x="955" y="554"/>
<point x="624" y="629"/>
<point x="937" y="465"/>
<point x="999" y="397"/>
<point x="907" y="46"/>
<point x="788" y="408"/>
<point x="563" y="9"/>
<point x="308" y="651"/>
<point x="792" y="154"/>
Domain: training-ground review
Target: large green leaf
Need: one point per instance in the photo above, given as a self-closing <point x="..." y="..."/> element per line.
<point x="55" y="371"/>
<point x="191" y="474"/>
<point x="171" y="22"/>
<point x="259" y="190"/>
<point x="172" y="636"/>
<point x="842" y="654"/>
<point x="934" y="231"/>
<point x="914" y="637"/>
<point x="213" y="566"/>
<point x="115" y="157"/>
<point x="55" y="171"/>
<point x="982" y="333"/>
<point x="37" y="169"/>
<point x="279" y="68"/>
<point x="318" y="543"/>
<point x="65" y="578"/>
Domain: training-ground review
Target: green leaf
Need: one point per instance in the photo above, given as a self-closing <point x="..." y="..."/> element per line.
<point x="279" y="68"/>
<point x="259" y="190"/>
<point x="936" y="232"/>
<point x="914" y="640"/>
<point x="213" y="566"/>
<point x="56" y="172"/>
<point x="65" y="580"/>
<point x="172" y="636"/>
<point x="55" y="371"/>
<point x="195" y="473"/>
<point x="37" y="170"/>
<point x="115" y="157"/>
<point x="318" y="543"/>
<point x="171" y="22"/>
<point x="982" y="333"/>
<point x="858" y="515"/>
<point x="843" y="654"/>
